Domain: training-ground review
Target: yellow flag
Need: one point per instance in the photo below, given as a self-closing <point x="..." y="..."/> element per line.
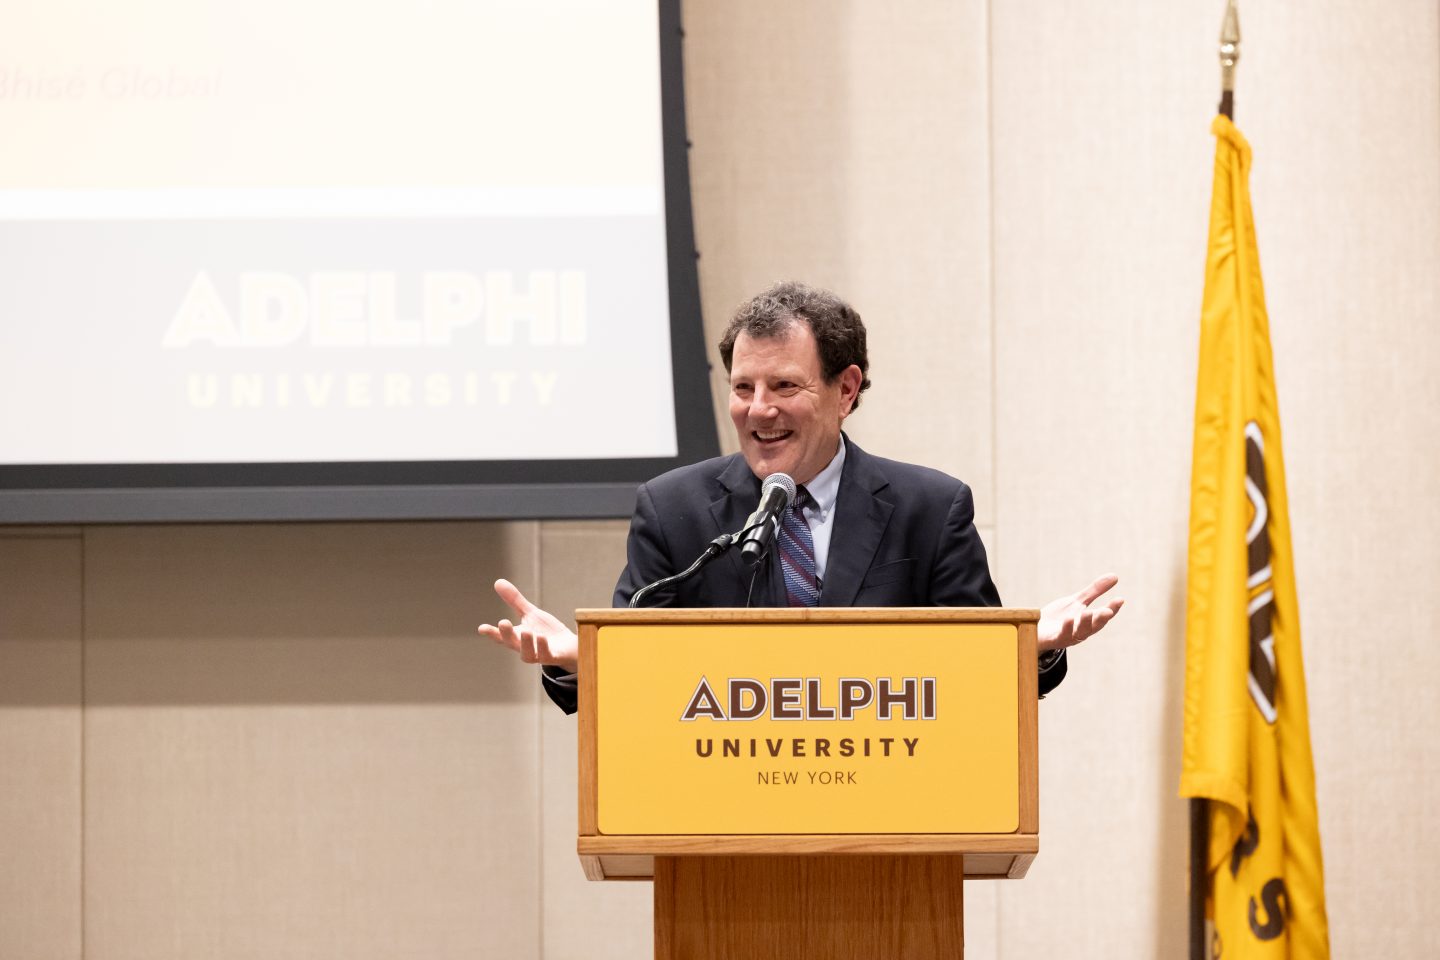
<point x="1247" y="736"/>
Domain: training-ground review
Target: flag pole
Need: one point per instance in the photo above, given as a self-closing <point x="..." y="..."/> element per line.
<point x="1229" y="56"/>
<point x="1199" y="875"/>
<point x="1199" y="807"/>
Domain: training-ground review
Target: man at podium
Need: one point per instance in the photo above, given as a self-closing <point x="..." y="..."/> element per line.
<point x="861" y="530"/>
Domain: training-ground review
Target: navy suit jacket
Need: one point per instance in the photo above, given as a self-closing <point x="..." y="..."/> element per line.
<point x="903" y="536"/>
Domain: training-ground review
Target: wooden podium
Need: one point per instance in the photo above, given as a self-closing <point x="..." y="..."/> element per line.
<point x="808" y="782"/>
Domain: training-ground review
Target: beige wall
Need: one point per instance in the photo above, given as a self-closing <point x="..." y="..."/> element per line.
<point x="240" y="741"/>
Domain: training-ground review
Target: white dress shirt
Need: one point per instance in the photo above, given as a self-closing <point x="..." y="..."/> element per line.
<point x="824" y="490"/>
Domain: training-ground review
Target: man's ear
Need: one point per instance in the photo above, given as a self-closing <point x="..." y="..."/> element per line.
<point x="850" y="379"/>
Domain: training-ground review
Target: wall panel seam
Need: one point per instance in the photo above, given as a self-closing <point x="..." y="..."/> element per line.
<point x="84" y="728"/>
<point x="537" y="547"/>
<point x="988" y="9"/>
<point x="995" y="499"/>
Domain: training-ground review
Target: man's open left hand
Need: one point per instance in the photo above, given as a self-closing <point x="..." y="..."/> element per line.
<point x="1072" y="619"/>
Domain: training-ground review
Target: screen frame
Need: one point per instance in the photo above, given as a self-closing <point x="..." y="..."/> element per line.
<point x="419" y="490"/>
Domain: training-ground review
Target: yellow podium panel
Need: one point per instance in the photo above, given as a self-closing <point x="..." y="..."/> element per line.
<point x="798" y="728"/>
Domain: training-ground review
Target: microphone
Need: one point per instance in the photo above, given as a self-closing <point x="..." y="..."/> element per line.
<point x="776" y="493"/>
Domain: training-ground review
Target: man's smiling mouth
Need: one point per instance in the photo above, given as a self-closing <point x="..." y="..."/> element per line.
<point x="770" y="436"/>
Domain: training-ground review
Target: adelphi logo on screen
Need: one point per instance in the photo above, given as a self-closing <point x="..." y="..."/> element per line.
<point x="279" y="314"/>
<point x="809" y="699"/>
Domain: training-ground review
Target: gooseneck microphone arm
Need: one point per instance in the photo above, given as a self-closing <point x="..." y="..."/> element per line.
<point x="717" y="546"/>
<point x="776" y="493"/>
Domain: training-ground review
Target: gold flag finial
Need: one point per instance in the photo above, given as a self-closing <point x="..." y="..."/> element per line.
<point x="1229" y="56"/>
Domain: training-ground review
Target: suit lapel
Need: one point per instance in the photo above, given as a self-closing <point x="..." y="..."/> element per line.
<point x="739" y="496"/>
<point x="861" y="517"/>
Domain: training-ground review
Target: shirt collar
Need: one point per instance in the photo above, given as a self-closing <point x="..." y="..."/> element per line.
<point x="825" y="488"/>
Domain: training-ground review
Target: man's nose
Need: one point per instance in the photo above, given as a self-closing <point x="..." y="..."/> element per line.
<point x="762" y="405"/>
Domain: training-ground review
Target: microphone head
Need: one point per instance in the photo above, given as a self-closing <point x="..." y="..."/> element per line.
<point x="776" y="495"/>
<point x="783" y="481"/>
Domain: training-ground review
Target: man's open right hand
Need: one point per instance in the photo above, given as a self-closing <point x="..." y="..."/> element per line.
<point x="538" y="636"/>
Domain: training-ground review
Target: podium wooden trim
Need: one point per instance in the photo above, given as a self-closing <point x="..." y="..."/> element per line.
<point x="809" y="895"/>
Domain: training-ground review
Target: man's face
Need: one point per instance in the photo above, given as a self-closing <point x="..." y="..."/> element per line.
<point x="786" y="416"/>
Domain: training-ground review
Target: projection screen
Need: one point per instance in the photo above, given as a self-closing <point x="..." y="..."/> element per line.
<point x="323" y="260"/>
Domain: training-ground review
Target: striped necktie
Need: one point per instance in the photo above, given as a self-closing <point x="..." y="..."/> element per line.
<point x="797" y="554"/>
